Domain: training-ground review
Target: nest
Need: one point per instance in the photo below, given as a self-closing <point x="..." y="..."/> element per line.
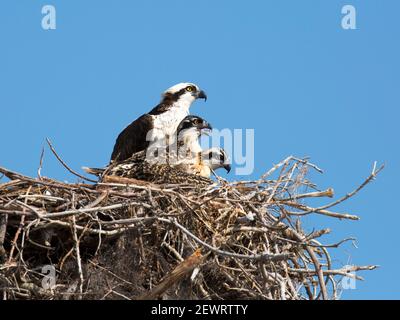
<point x="125" y="239"/>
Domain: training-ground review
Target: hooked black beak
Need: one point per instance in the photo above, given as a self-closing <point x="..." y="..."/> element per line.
<point x="205" y="128"/>
<point x="227" y="167"/>
<point x="206" y="125"/>
<point x="202" y="95"/>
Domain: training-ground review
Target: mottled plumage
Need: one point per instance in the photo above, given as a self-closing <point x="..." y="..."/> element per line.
<point x="138" y="168"/>
<point x="162" y="169"/>
<point x="203" y="163"/>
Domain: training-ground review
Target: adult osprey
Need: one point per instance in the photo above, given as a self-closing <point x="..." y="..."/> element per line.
<point x="160" y="123"/>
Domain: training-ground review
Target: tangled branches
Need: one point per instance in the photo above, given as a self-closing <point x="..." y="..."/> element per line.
<point x="128" y="240"/>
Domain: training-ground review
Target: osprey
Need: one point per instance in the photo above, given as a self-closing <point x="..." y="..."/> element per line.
<point x="191" y="158"/>
<point x="213" y="159"/>
<point x="138" y="166"/>
<point x="159" y="124"/>
<point x="203" y="163"/>
<point x="187" y="135"/>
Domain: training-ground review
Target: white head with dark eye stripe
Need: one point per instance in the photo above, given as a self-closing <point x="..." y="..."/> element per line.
<point x="194" y="123"/>
<point x="189" y="131"/>
<point x="184" y="93"/>
<point x="216" y="158"/>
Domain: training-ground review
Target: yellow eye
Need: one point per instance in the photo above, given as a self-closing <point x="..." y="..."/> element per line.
<point x="190" y="89"/>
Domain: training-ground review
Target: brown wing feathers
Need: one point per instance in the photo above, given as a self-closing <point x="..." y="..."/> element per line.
<point x="132" y="139"/>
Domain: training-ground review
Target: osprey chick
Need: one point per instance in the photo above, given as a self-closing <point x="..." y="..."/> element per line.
<point x="213" y="159"/>
<point x="191" y="158"/>
<point x="156" y="170"/>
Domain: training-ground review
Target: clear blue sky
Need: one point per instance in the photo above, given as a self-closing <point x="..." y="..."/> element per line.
<point x="285" y="68"/>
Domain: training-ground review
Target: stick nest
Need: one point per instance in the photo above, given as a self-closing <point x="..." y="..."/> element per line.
<point x="130" y="240"/>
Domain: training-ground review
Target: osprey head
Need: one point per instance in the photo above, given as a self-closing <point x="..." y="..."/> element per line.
<point x="217" y="158"/>
<point x="184" y="92"/>
<point x="192" y="125"/>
